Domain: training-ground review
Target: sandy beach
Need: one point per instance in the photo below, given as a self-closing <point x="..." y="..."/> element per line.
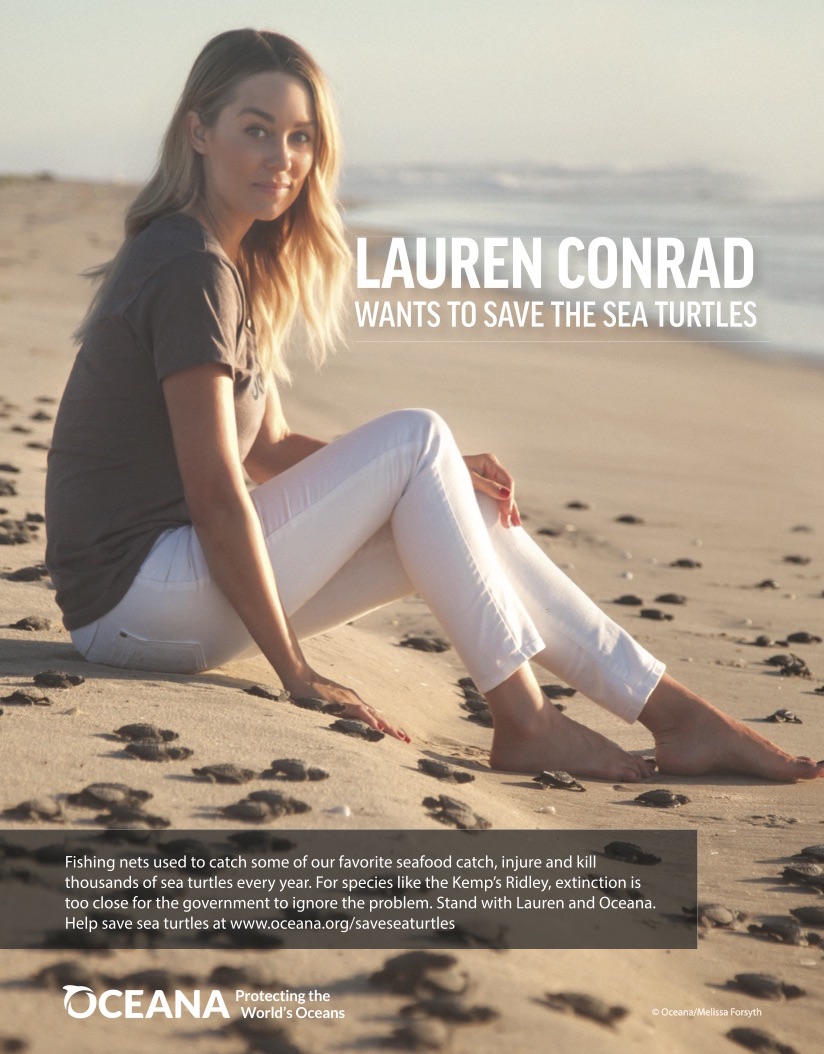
<point x="717" y="454"/>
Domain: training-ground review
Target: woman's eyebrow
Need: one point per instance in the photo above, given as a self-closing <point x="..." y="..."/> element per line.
<point x="255" y="112"/>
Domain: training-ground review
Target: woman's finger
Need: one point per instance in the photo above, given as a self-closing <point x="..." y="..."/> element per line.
<point x="516" y="516"/>
<point x="499" y="491"/>
<point x="508" y="512"/>
<point x="489" y="467"/>
<point x="353" y="706"/>
<point x="373" y="717"/>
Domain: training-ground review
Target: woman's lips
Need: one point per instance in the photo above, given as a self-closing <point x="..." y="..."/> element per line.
<point x="273" y="188"/>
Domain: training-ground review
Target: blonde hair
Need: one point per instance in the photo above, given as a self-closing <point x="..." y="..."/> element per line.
<point x="300" y="260"/>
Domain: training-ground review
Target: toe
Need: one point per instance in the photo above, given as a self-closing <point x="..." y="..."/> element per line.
<point x="806" y="769"/>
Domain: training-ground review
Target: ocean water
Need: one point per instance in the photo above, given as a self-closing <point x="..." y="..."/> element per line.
<point x="554" y="203"/>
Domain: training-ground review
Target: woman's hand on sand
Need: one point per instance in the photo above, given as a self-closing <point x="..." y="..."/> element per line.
<point x="315" y="686"/>
<point x="490" y="477"/>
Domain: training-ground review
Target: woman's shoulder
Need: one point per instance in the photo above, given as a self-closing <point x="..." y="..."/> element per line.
<point x="173" y="250"/>
<point x="176" y="236"/>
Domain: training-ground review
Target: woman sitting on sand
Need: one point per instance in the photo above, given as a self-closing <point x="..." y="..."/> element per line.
<point x="164" y="560"/>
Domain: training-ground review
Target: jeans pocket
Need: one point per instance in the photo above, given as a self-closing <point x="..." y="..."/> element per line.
<point x="128" y="651"/>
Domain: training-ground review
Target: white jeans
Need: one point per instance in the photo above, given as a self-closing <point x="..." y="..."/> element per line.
<point x="384" y="511"/>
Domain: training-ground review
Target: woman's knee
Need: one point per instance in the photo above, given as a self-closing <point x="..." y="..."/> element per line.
<point x="424" y="427"/>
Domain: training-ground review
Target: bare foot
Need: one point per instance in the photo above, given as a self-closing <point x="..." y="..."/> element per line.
<point x="692" y="738"/>
<point x="532" y="735"/>
<point x="555" y="741"/>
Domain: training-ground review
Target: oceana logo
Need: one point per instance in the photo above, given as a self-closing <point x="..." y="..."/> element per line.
<point x="80" y="1002"/>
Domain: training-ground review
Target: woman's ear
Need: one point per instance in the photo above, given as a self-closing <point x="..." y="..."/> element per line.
<point x="196" y="130"/>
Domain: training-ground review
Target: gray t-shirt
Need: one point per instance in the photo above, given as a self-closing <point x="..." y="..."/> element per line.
<point x="113" y="484"/>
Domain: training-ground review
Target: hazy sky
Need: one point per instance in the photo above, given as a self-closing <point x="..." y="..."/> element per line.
<point x="87" y="86"/>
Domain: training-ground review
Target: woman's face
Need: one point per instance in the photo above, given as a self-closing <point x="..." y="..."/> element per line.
<point x="258" y="153"/>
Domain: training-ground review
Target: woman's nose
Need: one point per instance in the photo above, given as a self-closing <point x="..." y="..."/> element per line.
<point x="280" y="156"/>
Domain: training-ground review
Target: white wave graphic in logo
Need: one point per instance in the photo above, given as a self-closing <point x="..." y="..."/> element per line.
<point x="72" y="990"/>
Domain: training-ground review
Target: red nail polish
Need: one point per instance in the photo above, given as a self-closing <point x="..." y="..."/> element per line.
<point x="505" y="492"/>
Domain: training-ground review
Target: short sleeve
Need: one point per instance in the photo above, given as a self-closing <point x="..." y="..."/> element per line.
<point x="190" y="312"/>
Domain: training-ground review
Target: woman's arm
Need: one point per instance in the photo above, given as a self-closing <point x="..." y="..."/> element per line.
<point x="276" y="448"/>
<point x="200" y="403"/>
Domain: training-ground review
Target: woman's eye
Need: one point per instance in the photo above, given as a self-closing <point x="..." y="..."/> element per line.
<point x="256" y="131"/>
<point x="302" y="137"/>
